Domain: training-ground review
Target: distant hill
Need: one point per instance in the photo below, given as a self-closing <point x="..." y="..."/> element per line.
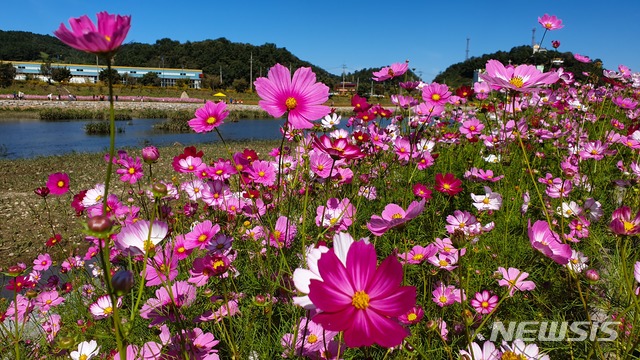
<point x="212" y="56"/>
<point x="462" y="72"/>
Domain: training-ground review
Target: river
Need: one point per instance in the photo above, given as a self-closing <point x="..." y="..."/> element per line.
<point x="21" y="139"/>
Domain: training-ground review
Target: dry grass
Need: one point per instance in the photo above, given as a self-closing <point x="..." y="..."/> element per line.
<point x="24" y="222"/>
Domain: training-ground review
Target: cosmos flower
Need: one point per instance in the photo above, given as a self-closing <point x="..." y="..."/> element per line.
<point x="582" y="58"/>
<point x="514" y="279"/>
<point x="103" y="307"/>
<point x="137" y="238"/>
<point x="302" y="97"/>
<point x="104" y="40"/>
<point x="360" y="298"/>
<point x="487" y="352"/>
<point x="448" y="184"/>
<point x="623" y="222"/>
<point x="484" y="302"/>
<point x="522" y="78"/>
<point x="86" y="350"/>
<point x="209" y="117"/>
<point x="390" y="72"/>
<point x="550" y="22"/>
<point x="58" y="183"/>
<point x="436" y="94"/>
<point x="392" y="216"/>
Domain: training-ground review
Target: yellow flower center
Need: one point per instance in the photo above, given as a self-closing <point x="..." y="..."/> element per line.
<point x="60" y="183"/>
<point x="360" y="300"/>
<point x="442" y="299"/>
<point x="320" y="167"/>
<point x="312" y="339"/>
<point x="83" y="357"/>
<point x="211" y="120"/>
<point x="219" y="172"/>
<point x="217" y="264"/>
<point x="472" y="128"/>
<point x="446" y="186"/>
<point x="202" y="238"/>
<point x="108" y="310"/>
<point x="276" y="234"/>
<point x="417" y="257"/>
<point x="148" y="245"/>
<point x="291" y="103"/>
<point x="107" y="37"/>
<point x="517" y="82"/>
<point x="443" y="263"/>
<point x="181" y="249"/>
<point x="412" y="317"/>
<point x="48" y="301"/>
<point x="510" y="355"/>
<point x="261" y="173"/>
<point x="435" y="97"/>
<point x="485" y="200"/>
<point x="484" y="304"/>
<point x="396" y="216"/>
<point x="628" y="226"/>
<point x="132" y="171"/>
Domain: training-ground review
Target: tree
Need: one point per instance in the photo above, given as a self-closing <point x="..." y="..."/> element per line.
<point x="115" y="77"/>
<point x="45" y="68"/>
<point x="150" y="79"/>
<point x="60" y="74"/>
<point x="7" y="74"/>
<point x="240" y="85"/>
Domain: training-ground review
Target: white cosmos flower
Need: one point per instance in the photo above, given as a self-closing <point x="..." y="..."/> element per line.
<point x="86" y="350"/>
<point x="93" y="196"/>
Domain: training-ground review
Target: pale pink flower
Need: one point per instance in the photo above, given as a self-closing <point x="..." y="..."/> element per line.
<point x="514" y="279"/>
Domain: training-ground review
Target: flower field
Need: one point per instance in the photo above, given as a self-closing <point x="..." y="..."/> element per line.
<point x="493" y="222"/>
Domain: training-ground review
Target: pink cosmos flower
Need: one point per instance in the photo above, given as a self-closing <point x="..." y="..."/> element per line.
<point x="337" y="149"/>
<point x="42" y="262"/>
<point x="471" y="128"/>
<point x="484" y="302"/>
<point x="283" y="233"/>
<point x="201" y="235"/>
<point x="162" y="268"/>
<point x="165" y="306"/>
<point x="582" y="58"/>
<point x="360" y="298"/>
<point x="47" y="299"/>
<point x="436" y="94"/>
<point x="262" y="172"/>
<point x="338" y="215"/>
<point x="447" y="295"/>
<point x="130" y="169"/>
<point x="481" y="90"/>
<point x="103" y="307"/>
<point x="546" y="241"/>
<point x="550" y="22"/>
<point x="149" y="350"/>
<point x="413" y="316"/>
<point x="390" y="72"/>
<point x="523" y="78"/>
<point x="321" y="163"/>
<point x="105" y="39"/>
<point x="622" y="222"/>
<point x="514" y="280"/>
<point x="209" y="117"/>
<point x="418" y="254"/>
<point x="302" y="97"/>
<point x="421" y="191"/>
<point x="519" y="350"/>
<point x="58" y="183"/>
<point x="312" y="339"/>
<point x="393" y="215"/>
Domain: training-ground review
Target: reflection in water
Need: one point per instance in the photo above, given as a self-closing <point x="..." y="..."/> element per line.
<point x="31" y="138"/>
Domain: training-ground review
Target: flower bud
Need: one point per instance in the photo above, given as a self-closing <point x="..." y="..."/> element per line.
<point x="150" y="154"/>
<point x="122" y="282"/>
<point x="100" y="224"/>
<point x="159" y="190"/>
<point x="592" y="275"/>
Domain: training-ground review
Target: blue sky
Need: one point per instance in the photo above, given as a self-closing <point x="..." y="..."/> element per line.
<point x="360" y="34"/>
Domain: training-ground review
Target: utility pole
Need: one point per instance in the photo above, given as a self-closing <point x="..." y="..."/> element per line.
<point x="344" y="67"/>
<point x="220" y="75"/>
<point x="466" y="56"/>
<point x="251" y="73"/>
<point x="533" y="37"/>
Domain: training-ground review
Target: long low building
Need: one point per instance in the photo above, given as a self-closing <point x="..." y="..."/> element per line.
<point x="90" y="73"/>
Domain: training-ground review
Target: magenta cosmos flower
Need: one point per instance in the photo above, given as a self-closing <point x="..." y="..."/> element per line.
<point x="393" y="215"/>
<point x="58" y="183"/>
<point x="514" y="279"/>
<point x="302" y="97"/>
<point x="360" y="299"/>
<point x="390" y="72"/>
<point x="546" y="241"/>
<point x="522" y="78"/>
<point x="105" y="39"/>
<point x="550" y="22"/>
<point x="337" y="148"/>
<point x="209" y="117"/>
<point x="624" y="223"/>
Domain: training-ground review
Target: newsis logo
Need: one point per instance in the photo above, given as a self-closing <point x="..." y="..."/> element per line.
<point x="556" y="331"/>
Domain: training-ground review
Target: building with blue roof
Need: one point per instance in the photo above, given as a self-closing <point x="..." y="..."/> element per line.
<point x="90" y="73"/>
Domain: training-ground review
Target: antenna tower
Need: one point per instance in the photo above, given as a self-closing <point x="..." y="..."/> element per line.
<point x="466" y="56"/>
